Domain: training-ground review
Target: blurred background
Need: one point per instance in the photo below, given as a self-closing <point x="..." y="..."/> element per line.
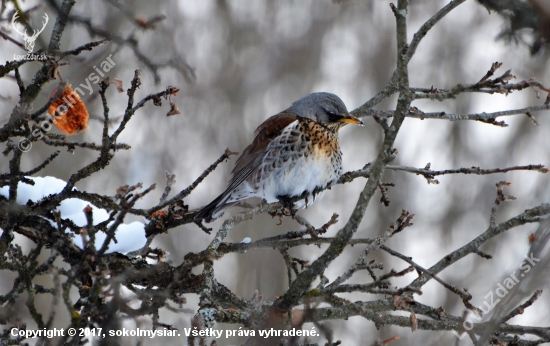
<point x="250" y="60"/>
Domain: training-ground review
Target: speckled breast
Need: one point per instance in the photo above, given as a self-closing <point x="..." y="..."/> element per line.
<point x="304" y="157"/>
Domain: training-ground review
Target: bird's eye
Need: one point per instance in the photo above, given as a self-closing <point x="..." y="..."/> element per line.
<point x="333" y="116"/>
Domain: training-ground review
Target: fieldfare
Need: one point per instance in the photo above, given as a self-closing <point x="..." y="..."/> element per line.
<point x="294" y="153"/>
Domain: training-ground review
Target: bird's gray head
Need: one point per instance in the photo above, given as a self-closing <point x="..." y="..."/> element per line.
<point x="323" y="107"/>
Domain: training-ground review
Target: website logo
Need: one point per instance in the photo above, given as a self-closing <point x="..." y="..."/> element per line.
<point x="29" y="39"/>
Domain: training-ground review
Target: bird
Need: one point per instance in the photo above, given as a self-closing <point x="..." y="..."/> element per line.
<point x="294" y="153"/>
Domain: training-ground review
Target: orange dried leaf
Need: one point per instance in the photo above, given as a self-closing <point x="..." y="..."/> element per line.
<point x="173" y="90"/>
<point x="159" y="214"/>
<point x="141" y="21"/>
<point x="173" y="110"/>
<point x="414" y="322"/>
<point x="149" y="23"/>
<point x="118" y="83"/>
<point x="387" y="341"/>
<point x="69" y="112"/>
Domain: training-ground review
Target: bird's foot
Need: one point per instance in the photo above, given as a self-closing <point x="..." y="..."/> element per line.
<point x="288" y="205"/>
<point x="287" y="209"/>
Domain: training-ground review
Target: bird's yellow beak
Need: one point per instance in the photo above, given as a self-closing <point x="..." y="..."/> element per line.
<point x="350" y="119"/>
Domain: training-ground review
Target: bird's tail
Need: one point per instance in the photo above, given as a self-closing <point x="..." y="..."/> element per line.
<point x="215" y="209"/>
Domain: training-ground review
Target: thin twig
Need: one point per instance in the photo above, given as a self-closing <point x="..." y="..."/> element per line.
<point x="185" y="192"/>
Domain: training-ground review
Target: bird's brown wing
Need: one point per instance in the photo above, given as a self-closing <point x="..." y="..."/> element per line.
<point x="252" y="156"/>
<point x="249" y="161"/>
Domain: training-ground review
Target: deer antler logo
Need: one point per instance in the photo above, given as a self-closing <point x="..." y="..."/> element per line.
<point x="29" y="40"/>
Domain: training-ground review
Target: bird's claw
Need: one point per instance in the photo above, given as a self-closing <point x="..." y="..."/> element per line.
<point x="286" y="210"/>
